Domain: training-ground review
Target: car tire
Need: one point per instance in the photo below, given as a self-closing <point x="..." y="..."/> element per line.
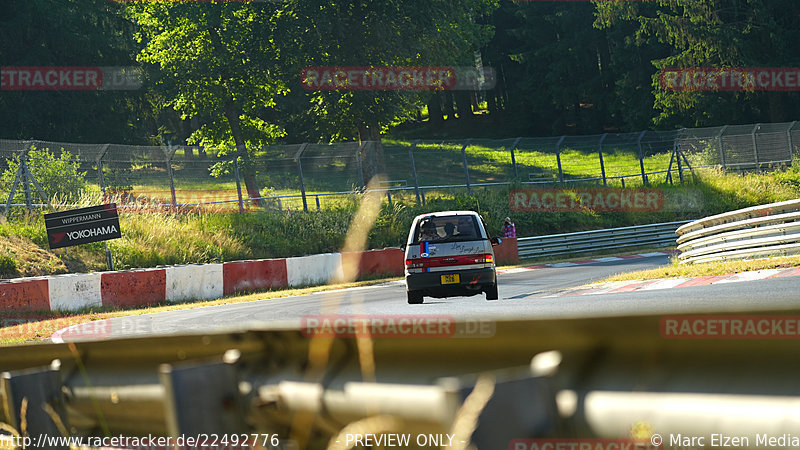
<point x="414" y="297"/>
<point x="491" y="292"/>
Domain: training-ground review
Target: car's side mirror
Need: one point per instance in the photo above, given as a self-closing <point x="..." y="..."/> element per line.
<point x="495" y="241"/>
<point x="403" y="247"/>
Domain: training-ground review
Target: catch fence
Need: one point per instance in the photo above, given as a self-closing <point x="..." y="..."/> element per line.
<point x="312" y="176"/>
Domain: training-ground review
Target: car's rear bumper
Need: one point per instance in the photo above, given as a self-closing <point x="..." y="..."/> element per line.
<point x="471" y="281"/>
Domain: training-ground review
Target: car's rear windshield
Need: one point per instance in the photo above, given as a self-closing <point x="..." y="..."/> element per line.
<point x="447" y="229"/>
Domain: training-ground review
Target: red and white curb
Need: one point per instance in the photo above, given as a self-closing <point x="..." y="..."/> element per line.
<point x="616" y="287"/>
<point x="143" y="287"/>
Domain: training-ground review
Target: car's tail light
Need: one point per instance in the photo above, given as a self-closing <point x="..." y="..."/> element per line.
<point x="487" y="258"/>
<point x="411" y="264"/>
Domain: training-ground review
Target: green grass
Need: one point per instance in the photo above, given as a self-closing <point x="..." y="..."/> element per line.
<point x="442" y="163"/>
<point x="215" y="235"/>
<point x="437" y="163"/>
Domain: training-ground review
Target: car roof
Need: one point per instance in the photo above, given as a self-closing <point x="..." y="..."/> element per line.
<point x="447" y="213"/>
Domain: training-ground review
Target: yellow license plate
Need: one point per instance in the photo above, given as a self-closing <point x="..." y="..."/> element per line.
<point x="451" y="279"/>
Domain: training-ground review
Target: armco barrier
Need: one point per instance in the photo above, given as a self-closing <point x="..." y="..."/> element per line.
<point x="655" y="234"/>
<point x="755" y="232"/>
<point x="546" y="377"/>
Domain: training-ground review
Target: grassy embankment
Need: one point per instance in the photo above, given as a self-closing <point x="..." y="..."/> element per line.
<point x="156" y="238"/>
<point x="168" y="238"/>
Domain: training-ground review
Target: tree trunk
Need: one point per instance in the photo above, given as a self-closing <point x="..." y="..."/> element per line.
<point x="378" y="150"/>
<point x="777" y="107"/>
<point x="491" y="103"/>
<point x="448" y="105"/>
<point x="248" y="173"/>
<point x="374" y="131"/>
<point x="464" y="104"/>
<point x="435" y="115"/>
<point x="363" y="132"/>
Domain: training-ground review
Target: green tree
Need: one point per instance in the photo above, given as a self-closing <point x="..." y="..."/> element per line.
<point x="375" y="33"/>
<point x="714" y="33"/>
<point x="216" y="61"/>
<point x="69" y="33"/>
<point x="555" y="66"/>
<point x="58" y="175"/>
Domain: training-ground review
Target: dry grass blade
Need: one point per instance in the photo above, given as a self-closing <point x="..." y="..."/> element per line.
<point x="79" y="362"/>
<point x="23" y="416"/>
<point x="370" y="425"/>
<point x="467" y="416"/>
<point x="319" y="348"/>
<point x="56" y="419"/>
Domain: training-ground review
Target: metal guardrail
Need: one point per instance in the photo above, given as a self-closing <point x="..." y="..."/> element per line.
<point x="758" y="231"/>
<point x="655" y="235"/>
<point x="560" y="378"/>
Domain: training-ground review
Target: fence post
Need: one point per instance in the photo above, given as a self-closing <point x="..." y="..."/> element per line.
<point x="600" y="152"/>
<point x="514" y="159"/>
<point x="26" y="186"/>
<point x="558" y="159"/>
<point x="641" y="157"/>
<point x="238" y="183"/>
<point x="721" y="146"/>
<point x="109" y="256"/>
<point x="298" y="157"/>
<point x="100" y="176"/>
<point x="671" y="158"/>
<point x="755" y="144"/>
<point x="14" y="185"/>
<point x="466" y="167"/>
<point x="361" y="165"/>
<point x="171" y="177"/>
<point x="414" y="169"/>
<point x="791" y="144"/>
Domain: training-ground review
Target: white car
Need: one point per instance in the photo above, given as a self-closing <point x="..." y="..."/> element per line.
<point x="449" y="254"/>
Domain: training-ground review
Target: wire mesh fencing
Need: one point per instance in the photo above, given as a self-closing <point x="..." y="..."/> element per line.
<point x="307" y="176"/>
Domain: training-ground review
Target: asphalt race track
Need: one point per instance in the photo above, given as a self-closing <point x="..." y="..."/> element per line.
<point x="516" y="290"/>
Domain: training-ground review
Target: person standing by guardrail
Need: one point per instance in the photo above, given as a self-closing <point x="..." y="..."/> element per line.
<point x="509" y="229"/>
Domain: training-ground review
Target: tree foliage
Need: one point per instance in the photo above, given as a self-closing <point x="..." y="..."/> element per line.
<point x="59" y="175"/>
<point x="713" y="33"/>
<point x="227" y="74"/>
<point x="69" y="33"/>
